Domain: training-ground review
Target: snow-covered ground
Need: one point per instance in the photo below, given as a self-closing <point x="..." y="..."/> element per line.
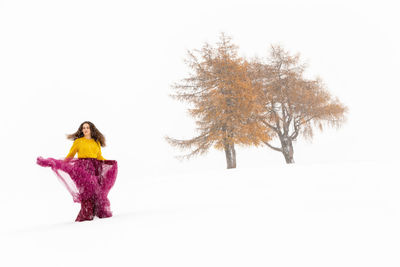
<point x="339" y="214"/>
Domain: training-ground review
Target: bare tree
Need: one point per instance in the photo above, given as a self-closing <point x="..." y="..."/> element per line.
<point x="292" y="104"/>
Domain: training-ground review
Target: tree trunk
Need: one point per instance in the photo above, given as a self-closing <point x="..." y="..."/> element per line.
<point x="230" y="154"/>
<point x="234" y="155"/>
<point x="287" y="148"/>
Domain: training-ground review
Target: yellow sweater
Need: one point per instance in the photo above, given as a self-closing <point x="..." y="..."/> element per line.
<point x="86" y="148"/>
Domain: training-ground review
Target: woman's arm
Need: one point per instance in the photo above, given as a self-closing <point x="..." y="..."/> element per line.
<point x="73" y="149"/>
<point x="99" y="156"/>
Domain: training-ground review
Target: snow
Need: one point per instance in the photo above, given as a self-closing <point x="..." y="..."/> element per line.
<point x="281" y="215"/>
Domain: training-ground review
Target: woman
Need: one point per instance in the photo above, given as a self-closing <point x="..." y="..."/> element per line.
<point x="89" y="177"/>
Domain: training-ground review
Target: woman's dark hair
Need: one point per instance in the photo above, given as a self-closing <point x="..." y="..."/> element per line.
<point x="95" y="134"/>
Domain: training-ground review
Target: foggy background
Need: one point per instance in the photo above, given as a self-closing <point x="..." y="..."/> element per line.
<point x="113" y="63"/>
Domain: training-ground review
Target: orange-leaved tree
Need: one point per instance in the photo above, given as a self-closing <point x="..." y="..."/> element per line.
<point x="292" y="104"/>
<point x="222" y="100"/>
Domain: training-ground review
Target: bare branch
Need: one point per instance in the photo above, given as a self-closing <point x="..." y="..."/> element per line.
<point x="272" y="147"/>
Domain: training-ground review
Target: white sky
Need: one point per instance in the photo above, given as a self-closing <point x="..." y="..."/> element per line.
<point x="112" y="62"/>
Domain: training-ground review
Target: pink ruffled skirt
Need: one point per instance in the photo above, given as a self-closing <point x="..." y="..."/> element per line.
<point x="89" y="181"/>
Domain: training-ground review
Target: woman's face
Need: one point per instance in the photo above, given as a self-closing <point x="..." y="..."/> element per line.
<point x="86" y="129"/>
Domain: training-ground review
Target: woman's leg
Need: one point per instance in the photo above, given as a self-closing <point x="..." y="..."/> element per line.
<point x="106" y="173"/>
<point x="102" y="207"/>
<point x="88" y="189"/>
<point x="87" y="210"/>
